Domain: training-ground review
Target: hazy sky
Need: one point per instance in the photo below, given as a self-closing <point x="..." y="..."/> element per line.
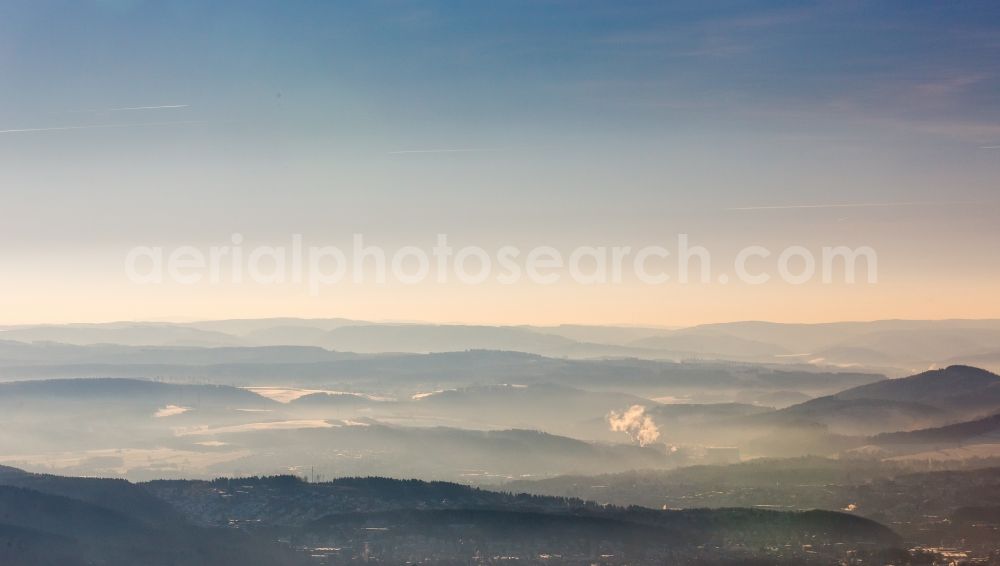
<point x="128" y="123"/>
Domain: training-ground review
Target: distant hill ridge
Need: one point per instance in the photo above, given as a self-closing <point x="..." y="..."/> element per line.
<point x="894" y="346"/>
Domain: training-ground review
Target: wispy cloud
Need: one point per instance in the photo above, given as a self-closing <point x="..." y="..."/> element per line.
<point x="99" y="126"/>
<point x="949" y="86"/>
<point x="853" y="205"/>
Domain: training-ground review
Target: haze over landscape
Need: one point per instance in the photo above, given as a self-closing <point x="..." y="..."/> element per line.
<point x="589" y="283"/>
<point x="883" y="422"/>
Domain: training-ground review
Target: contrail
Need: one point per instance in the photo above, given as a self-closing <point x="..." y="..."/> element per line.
<point x="438" y="151"/>
<point x="850" y="205"/>
<point x="989" y="147"/>
<point x="99" y="126"/>
<point x="162" y="107"/>
<point x="123" y="108"/>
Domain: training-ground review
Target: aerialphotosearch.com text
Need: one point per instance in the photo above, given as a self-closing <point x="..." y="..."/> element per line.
<point x="319" y="266"/>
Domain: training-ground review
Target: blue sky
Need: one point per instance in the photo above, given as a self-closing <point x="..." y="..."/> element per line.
<point x="128" y="123"/>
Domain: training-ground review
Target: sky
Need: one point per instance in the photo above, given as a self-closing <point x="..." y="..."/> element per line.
<point x="128" y="123"/>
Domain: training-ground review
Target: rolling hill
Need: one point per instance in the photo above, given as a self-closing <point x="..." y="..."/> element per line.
<point x="284" y="520"/>
<point x="982" y="430"/>
<point x="956" y="388"/>
<point x="38" y="526"/>
<point x="928" y="399"/>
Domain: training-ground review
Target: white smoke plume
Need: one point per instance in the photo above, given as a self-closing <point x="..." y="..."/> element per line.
<point x="636" y="424"/>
